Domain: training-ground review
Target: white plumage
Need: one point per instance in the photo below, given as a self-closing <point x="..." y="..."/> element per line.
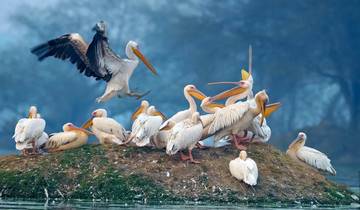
<point x="107" y="130"/>
<point x="185" y="135"/>
<point x="308" y="155"/>
<point x="29" y="131"/>
<point x="244" y="169"/>
<point x="145" y="126"/>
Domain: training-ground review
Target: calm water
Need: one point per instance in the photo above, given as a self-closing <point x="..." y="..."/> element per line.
<point x="12" y="204"/>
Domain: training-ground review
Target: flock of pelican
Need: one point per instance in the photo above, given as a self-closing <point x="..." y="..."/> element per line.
<point x="241" y="119"/>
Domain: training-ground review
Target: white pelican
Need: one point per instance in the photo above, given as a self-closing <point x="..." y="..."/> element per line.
<point x="234" y="118"/>
<point x="71" y="137"/>
<point x="145" y="126"/>
<point x="141" y="110"/>
<point x="190" y="91"/>
<point x="185" y="135"/>
<point x="106" y="129"/>
<point x="308" y="155"/>
<point x="97" y="60"/>
<point x="244" y="169"/>
<point x="29" y="132"/>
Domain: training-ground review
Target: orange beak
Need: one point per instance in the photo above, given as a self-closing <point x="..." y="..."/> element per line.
<point x="270" y="108"/>
<point x="138" y="111"/>
<point x="197" y="94"/>
<point x="228" y="93"/>
<point x="88" y="123"/>
<point x="82" y="130"/>
<point x="144" y="60"/>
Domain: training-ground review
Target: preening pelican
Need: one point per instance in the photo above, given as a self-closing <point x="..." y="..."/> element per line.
<point x="97" y="60"/>
<point x="145" y="126"/>
<point x="71" y="137"/>
<point x="234" y="118"/>
<point x="106" y="129"/>
<point x="29" y="132"/>
<point x="185" y="135"/>
<point x="308" y="155"/>
<point x="244" y="169"/>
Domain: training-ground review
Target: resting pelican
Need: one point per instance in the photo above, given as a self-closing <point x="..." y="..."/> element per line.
<point x="106" y="129"/>
<point x="29" y="132"/>
<point x="234" y="118"/>
<point x="72" y="137"/>
<point x="244" y="169"/>
<point x="145" y="126"/>
<point x="141" y="110"/>
<point x="308" y="155"/>
<point x="97" y="60"/>
<point x="185" y="135"/>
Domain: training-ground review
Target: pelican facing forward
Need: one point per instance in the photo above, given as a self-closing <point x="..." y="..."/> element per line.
<point x="71" y="137"/>
<point x="244" y="169"/>
<point x="308" y="155"/>
<point x="29" y="132"/>
<point x="106" y="129"/>
<point x="97" y="60"/>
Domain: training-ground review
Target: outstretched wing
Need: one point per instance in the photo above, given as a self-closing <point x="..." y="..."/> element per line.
<point x="69" y="46"/>
<point x="227" y="116"/>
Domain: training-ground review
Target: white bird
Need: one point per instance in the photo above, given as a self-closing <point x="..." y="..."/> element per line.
<point x="303" y="154"/>
<point x="97" y="60"/>
<point x="161" y="138"/>
<point x="71" y="137"/>
<point x="145" y="126"/>
<point x="29" y="132"/>
<point x="190" y="91"/>
<point x="244" y="169"/>
<point x="234" y="118"/>
<point x="107" y="130"/>
<point x="185" y="135"/>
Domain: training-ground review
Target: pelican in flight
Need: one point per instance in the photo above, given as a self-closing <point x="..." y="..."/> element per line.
<point x="145" y="126"/>
<point x="97" y="60"/>
<point x="244" y="169"/>
<point x="184" y="135"/>
<point x="106" y="130"/>
<point x="303" y="154"/>
<point x="234" y="118"/>
<point x="29" y="132"/>
<point x="71" y="137"/>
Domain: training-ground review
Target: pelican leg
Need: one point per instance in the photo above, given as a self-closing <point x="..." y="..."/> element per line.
<point x="198" y="145"/>
<point x="236" y="142"/>
<point x="138" y="95"/>
<point x="184" y="157"/>
<point x="33" y="147"/>
<point x="191" y="157"/>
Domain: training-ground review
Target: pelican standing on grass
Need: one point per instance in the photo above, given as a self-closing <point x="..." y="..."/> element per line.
<point x="145" y="126"/>
<point x="244" y="169"/>
<point x="106" y="129"/>
<point x="29" y="132"/>
<point x="303" y="154"/>
<point x="97" y="60"/>
<point x="71" y="137"/>
<point x="185" y="135"/>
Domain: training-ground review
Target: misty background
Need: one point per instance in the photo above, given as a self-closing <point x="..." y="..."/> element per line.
<point x="305" y="54"/>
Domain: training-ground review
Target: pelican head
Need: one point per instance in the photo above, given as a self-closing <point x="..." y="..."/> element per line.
<point x="194" y="92"/>
<point x="243" y="155"/>
<point x="133" y="53"/>
<point x="141" y="109"/>
<point x="298" y="142"/>
<point x="100" y="27"/>
<point x="32" y="112"/>
<point x="71" y="127"/>
<point x="261" y="99"/>
<point x="151" y="110"/>
<point x="96" y="113"/>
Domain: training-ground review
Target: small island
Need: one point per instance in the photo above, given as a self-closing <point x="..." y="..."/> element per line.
<point x="130" y="174"/>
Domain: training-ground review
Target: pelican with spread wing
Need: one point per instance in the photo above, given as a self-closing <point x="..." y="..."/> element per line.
<point x="308" y="155"/>
<point x="97" y="60"/>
